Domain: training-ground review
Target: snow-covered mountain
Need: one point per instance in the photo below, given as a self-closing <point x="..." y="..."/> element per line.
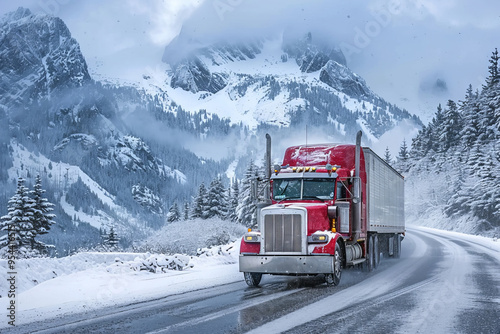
<point x="59" y="123"/>
<point x="281" y="81"/>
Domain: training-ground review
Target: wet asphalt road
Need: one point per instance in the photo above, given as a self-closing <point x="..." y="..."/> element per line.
<point x="439" y="285"/>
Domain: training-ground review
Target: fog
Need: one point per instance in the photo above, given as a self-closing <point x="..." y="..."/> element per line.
<point x="400" y="47"/>
<point x="396" y="45"/>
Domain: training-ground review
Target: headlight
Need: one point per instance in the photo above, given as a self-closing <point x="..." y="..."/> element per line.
<point x="253" y="237"/>
<point x="317" y="238"/>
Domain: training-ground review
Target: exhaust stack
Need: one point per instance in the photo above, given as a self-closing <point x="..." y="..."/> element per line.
<point x="356" y="224"/>
<point x="267" y="193"/>
<point x="267" y="190"/>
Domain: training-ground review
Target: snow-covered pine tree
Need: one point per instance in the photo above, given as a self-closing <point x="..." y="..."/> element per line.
<point x="19" y="223"/>
<point x="186" y="211"/>
<point x="246" y="210"/>
<point x="452" y="123"/>
<point x="469" y="110"/>
<point x="493" y="69"/>
<point x="228" y="194"/>
<point x="173" y="214"/>
<point x="233" y="201"/>
<point x="435" y="126"/>
<point x="199" y="207"/>
<point x="42" y="218"/>
<point x="216" y="199"/>
<point x="112" y="239"/>
<point x="402" y="159"/>
<point x="387" y="156"/>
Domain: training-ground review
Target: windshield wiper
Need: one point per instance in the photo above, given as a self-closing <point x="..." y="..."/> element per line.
<point x="313" y="197"/>
<point x="286" y="198"/>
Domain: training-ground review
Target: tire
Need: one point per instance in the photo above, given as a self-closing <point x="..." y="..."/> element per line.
<point x="334" y="279"/>
<point x="252" y="279"/>
<point x="369" y="265"/>
<point x="397" y="246"/>
<point x="376" y="252"/>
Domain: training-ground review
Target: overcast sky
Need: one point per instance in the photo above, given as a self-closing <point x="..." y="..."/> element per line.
<point x="412" y="53"/>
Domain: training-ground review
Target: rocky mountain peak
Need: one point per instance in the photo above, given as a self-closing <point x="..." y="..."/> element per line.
<point x="311" y="54"/>
<point x="18" y="14"/>
<point x="37" y="49"/>
<point x="190" y="61"/>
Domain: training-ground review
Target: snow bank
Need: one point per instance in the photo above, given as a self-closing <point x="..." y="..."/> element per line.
<point x="49" y="287"/>
<point x="154" y="263"/>
<point x="186" y="237"/>
<point x="31" y="272"/>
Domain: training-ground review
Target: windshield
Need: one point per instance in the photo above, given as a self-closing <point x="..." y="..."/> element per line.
<point x="303" y="189"/>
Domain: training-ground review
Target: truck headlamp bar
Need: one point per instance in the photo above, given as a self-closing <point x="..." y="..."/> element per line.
<point x="303" y="169"/>
<point x="300" y="169"/>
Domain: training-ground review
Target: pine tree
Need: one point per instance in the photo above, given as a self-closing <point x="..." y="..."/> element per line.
<point x="216" y="199"/>
<point x="387" y="156"/>
<point x="494" y="77"/>
<point x="246" y="209"/>
<point x="112" y="239"/>
<point x="233" y="201"/>
<point x="42" y="218"/>
<point x="470" y="110"/>
<point x="451" y="126"/>
<point x="186" y="211"/>
<point x="18" y="223"/>
<point x="402" y="159"/>
<point x="200" y="203"/>
<point x="173" y="214"/>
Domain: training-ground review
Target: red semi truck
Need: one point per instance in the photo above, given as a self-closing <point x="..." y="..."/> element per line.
<point x="330" y="206"/>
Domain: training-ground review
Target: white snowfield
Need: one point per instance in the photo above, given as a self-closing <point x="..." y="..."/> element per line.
<point x="51" y="287"/>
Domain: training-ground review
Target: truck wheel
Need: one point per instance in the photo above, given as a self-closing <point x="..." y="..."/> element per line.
<point x="334" y="279"/>
<point x="252" y="279"/>
<point x="376" y="252"/>
<point x="370" y="259"/>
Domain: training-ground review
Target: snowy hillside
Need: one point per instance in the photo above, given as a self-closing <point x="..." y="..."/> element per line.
<point x="62" y="176"/>
<point x="453" y="169"/>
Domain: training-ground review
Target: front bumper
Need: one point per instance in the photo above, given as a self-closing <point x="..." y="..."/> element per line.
<point x="286" y="264"/>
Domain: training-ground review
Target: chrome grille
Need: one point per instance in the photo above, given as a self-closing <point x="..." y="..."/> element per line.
<point x="282" y="233"/>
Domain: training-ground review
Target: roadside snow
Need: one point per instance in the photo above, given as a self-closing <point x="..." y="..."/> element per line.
<point x="50" y="287"/>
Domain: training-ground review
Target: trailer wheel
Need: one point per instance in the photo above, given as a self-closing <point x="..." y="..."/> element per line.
<point x="334" y="279"/>
<point x="397" y="245"/>
<point x="252" y="279"/>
